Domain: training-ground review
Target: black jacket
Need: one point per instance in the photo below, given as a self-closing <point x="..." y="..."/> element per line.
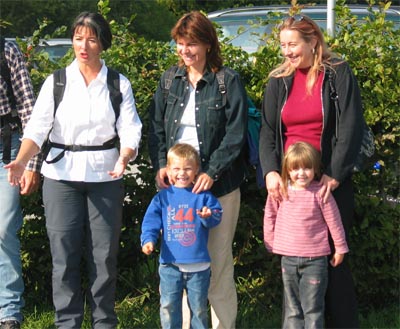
<point x="337" y="156"/>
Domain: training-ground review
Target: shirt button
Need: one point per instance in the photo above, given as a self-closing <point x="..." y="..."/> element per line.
<point x="216" y="105"/>
<point x="200" y="143"/>
<point x="197" y="108"/>
<point x="182" y="104"/>
<point x="175" y="120"/>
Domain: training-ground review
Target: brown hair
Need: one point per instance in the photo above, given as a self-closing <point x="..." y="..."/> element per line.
<point x="300" y="155"/>
<point x="196" y="26"/>
<point x="183" y="151"/>
<point x="308" y="30"/>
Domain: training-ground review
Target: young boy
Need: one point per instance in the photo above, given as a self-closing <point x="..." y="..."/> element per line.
<point x="183" y="219"/>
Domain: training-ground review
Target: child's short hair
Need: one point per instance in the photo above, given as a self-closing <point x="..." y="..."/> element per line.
<point x="300" y="155"/>
<point x="183" y="151"/>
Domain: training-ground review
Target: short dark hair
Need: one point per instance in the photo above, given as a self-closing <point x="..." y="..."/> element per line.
<point x="97" y="24"/>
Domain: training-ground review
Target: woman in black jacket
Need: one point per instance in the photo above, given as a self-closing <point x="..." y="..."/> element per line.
<point x="297" y="107"/>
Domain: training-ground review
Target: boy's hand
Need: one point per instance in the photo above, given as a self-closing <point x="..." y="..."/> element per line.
<point x="336" y="259"/>
<point x="148" y="248"/>
<point x="205" y="212"/>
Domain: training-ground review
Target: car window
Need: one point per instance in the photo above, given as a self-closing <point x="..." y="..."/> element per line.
<point x="55" y="52"/>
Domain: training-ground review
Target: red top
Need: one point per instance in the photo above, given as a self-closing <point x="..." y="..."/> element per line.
<point x="302" y="114"/>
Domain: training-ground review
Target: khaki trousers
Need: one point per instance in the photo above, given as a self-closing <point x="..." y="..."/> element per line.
<point x="222" y="293"/>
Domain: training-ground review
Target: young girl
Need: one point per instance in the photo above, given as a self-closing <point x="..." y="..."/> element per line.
<point x="297" y="228"/>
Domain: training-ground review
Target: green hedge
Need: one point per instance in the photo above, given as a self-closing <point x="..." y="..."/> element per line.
<point x="373" y="53"/>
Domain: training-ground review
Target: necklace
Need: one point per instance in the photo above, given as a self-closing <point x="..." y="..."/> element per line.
<point x="194" y="81"/>
<point x="194" y="76"/>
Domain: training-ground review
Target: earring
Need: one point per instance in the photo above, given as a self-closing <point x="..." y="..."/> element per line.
<point x="208" y="50"/>
<point x="313" y="51"/>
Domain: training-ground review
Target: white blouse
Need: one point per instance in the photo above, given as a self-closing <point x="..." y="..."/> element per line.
<point x="85" y="116"/>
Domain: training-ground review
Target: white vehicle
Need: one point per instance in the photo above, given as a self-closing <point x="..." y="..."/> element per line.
<point x="246" y="27"/>
<point x="56" y="48"/>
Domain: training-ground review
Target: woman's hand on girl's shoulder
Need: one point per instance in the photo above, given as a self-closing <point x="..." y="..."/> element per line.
<point x="275" y="187"/>
<point x="328" y="185"/>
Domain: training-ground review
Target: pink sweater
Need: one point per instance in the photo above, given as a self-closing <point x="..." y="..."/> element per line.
<point x="299" y="226"/>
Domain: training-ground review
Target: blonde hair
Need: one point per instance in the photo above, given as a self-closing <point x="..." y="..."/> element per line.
<point x="183" y="151"/>
<point x="300" y="155"/>
<point x="308" y="30"/>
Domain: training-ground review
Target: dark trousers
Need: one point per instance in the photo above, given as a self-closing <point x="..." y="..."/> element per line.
<point x="84" y="217"/>
<point x="341" y="307"/>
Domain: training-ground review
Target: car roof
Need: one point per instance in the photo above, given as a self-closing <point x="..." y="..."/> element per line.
<point x="262" y="10"/>
<point x="238" y="23"/>
<point x="56" y="42"/>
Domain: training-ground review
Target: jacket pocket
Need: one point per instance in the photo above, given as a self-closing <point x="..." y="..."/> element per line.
<point x="216" y="112"/>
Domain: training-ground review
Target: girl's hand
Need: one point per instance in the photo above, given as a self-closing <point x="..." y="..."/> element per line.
<point x="337" y="259"/>
<point x="274" y="184"/>
<point x="203" y="183"/>
<point x="328" y="185"/>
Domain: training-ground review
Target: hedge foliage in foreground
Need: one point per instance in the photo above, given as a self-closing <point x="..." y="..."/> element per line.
<point x="373" y="53"/>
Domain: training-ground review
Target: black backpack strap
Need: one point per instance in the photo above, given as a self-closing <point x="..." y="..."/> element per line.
<point x="59" y="82"/>
<point x="220" y="75"/>
<point x="168" y="78"/>
<point x="114" y="89"/>
<point x="5" y="72"/>
<point x="11" y="120"/>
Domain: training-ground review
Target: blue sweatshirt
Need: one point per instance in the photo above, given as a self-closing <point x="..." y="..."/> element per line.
<point x="184" y="234"/>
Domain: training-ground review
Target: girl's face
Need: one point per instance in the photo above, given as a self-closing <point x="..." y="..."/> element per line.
<point x="87" y="46"/>
<point x="296" y="50"/>
<point x="182" y="172"/>
<point x="301" y="177"/>
<point x="193" y="53"/>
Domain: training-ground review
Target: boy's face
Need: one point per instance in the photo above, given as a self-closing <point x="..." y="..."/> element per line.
<point x="182" y="172"/>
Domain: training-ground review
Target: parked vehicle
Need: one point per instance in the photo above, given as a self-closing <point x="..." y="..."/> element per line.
<point x="56" y="48"/>
<point x="246" y="27"/>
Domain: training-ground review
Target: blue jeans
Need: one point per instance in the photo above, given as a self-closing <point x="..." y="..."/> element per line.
<point x="305" y="280"/>
<point x="172" y="284"/>
<point x="11" y="283"/>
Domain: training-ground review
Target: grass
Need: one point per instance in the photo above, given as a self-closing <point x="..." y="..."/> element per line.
<point x="142" y="312"/>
